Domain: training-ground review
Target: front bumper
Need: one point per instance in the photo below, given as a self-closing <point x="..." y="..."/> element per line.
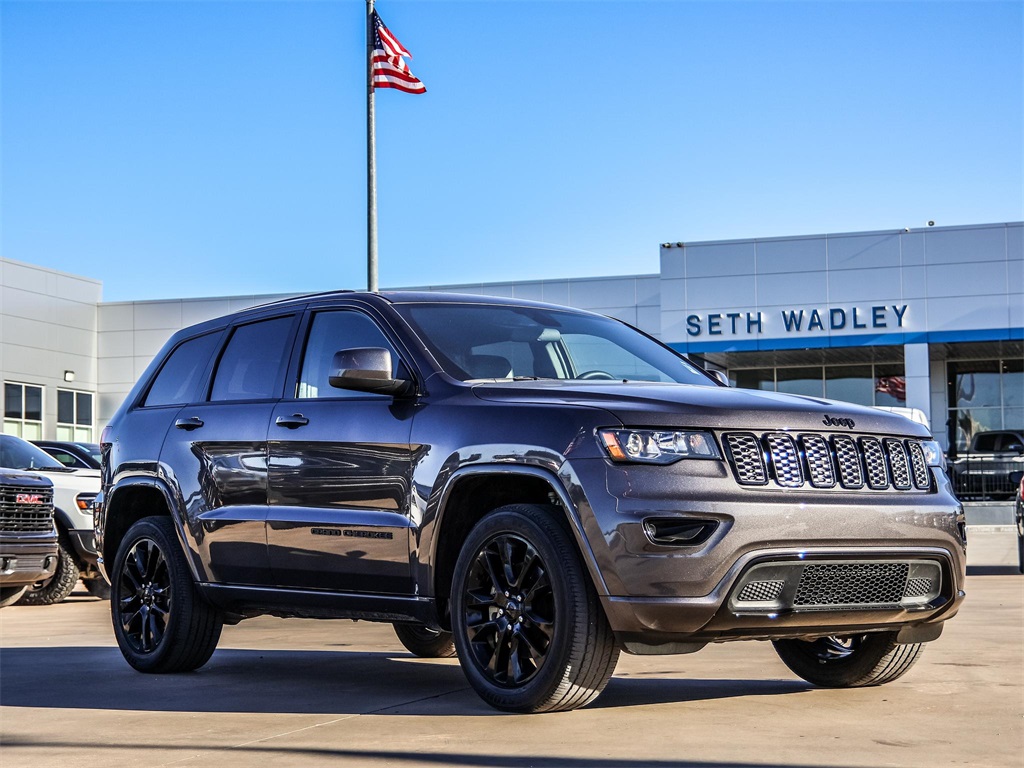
<point x="721" y="615"/>
<point x="655" y="594"/>
<point x="27" y="563"/>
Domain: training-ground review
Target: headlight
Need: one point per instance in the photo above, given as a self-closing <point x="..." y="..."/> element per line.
<point x="933" y="453"/>
<point x="84" y="501"/>
<point x="656" y="446"/>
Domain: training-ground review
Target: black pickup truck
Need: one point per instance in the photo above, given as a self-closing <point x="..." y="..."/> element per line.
<point x="993" y="466"/>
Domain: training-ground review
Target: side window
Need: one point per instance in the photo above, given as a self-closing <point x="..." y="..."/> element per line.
<point x="252" y="360"/>
<point x="178" y="378"/>
<point x="332" y="332"/>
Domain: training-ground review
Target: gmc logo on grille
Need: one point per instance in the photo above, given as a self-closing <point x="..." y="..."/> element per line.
<point x="28" y="498"/>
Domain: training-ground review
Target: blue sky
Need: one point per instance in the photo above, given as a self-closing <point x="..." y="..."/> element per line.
<point x="193" y="148"/>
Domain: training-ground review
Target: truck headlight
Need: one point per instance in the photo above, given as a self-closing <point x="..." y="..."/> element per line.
<point x="657" y="446"/>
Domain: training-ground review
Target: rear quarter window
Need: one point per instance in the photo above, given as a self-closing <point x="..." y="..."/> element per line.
<point x="178" y="378"/>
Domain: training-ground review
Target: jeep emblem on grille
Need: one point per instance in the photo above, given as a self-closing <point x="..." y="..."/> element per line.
<point x="28" y="498"/>
<point x="831" y="421"/>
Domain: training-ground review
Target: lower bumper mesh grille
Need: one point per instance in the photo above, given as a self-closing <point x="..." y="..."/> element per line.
<point x="852" y="584"/>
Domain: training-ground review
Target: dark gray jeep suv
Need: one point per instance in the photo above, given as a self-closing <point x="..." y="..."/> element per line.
<point x="531" y="487"/>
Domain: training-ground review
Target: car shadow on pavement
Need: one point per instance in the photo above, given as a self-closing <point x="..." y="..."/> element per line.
<point x="302" y="682"/>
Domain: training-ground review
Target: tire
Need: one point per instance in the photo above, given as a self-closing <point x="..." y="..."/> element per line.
<point x="420" y="640"/>
<point x="549" y="648"/>
<point x="97" y="587"/>
<point x="59" y="586"/>
<point x="161" y="622"/>
<point x="10" y="595"/>
<point x="849" y="662"/>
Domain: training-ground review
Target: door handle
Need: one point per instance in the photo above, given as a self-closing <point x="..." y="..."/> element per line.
<point x="294" y="421"/>
<point x="193" y="422"/>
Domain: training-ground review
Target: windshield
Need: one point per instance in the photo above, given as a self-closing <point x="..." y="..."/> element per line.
<point x="481" y="341"/>
<point x="16" y="453"/>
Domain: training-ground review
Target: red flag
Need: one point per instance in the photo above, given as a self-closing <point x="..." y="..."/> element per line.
<point x="389" y="67"/>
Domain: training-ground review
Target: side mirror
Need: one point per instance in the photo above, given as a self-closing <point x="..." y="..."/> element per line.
<point x="719" y="376"/>
<point x="366" y="369"/>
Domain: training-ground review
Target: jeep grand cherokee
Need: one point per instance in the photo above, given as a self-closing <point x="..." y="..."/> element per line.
<point x="531" y="487"/>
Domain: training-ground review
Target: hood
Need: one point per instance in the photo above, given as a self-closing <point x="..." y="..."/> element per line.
<point x="76" y="481"/>
<point x="644" y="404"/>
<point x="22" y="478"/>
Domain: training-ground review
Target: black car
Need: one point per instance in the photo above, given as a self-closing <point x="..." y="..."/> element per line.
<point x="70" y="454"/>
<point x="531" y="487"/>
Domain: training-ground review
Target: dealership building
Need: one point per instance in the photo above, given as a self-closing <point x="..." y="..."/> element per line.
<point x="929" y="319"/>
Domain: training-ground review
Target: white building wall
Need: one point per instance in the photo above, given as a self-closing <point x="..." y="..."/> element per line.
<point x="48" y="325"/>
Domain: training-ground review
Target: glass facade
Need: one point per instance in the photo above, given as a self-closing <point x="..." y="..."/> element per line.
<point x="983" y="395"/>
<point x="871" y="384"/>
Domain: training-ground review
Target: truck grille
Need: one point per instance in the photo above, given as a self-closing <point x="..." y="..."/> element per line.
<point x="827" y="461"/>
<point x="22" y="516"/>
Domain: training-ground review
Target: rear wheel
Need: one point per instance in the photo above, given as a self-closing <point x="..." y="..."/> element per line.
<point x="425" y="642"/>
<point x="161" y="622"/>
<point x="10" y="595"/>
<point x="59" y="586"/>
<point x="529" y="629"/>
<point x="849" y="662"/>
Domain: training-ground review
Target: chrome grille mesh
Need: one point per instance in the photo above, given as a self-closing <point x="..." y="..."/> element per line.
<point x="785" y="460"/>
<point x="874" y="463"/>
<point x="19" y="516"/>
<point x="747" y="459"/>
<point x="852" y="584"/>
<point x="919" y="465"/>
<point x="918" y="588"/>
<point x="851" y="471"/>
<point x="899" y="464"/>
<point x="827" y="461"/>
<point x="820" y="470"/>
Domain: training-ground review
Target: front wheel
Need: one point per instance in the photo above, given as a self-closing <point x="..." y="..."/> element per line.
<point x="57" y="588"/>
<point x="427" y="643"/>
<point x="529" y="629"/>
<point x="10" y="595"/>
<point x="849" y="662"/>
<point x="161" y="622"/>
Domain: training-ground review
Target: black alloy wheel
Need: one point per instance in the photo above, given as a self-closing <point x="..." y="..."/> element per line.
<point x="509" y="611"/>
<point x="161" y="621"/>
<point x="530" y="631"/>
<point x="144" y="596"/>
<point x="425" y="642"/>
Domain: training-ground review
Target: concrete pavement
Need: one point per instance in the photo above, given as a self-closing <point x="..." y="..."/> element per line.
<point x="310" y="693"/>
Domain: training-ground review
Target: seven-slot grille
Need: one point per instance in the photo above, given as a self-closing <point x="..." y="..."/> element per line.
<point x="19" y="515"/>
<point x="793" y="461"/>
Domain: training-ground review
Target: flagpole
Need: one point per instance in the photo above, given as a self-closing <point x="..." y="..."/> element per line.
<point x="371" y="159"/>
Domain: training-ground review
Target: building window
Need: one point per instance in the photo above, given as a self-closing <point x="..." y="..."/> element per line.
<point x="74" y="416"/>
<point x="983" y="395"/>
<point x="23" y="410"/>
<point x="884" y="385"/>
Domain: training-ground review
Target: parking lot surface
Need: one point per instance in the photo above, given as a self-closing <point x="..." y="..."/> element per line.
<point x="309" y="693"/>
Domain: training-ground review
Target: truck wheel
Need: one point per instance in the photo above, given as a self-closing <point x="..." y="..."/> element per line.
<point x="58" y="586"/>
<point x="849" y="662"/>
<point x="427" y="643"/>
<point x="10" y="595"/>
<point x="97" y="587"/>
<point x="161" y="622"/>
<point x="529" y="629"/>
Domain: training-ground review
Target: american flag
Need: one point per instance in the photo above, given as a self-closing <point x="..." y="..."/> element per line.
<point x="389" y="68"/>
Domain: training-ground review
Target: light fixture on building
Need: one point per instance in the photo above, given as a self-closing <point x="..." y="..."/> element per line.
<point x="69" y="375"/>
